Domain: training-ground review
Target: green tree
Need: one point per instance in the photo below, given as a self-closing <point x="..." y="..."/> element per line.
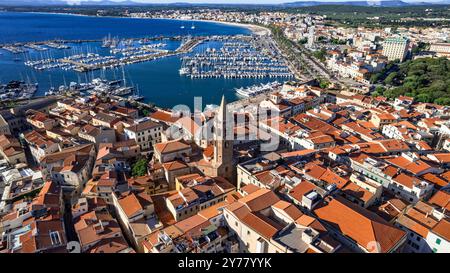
<point x="139" y="168"/>
<point x="374" y="78"/>
<point x="145" y="112"/>
<point x="390" y="78"/>
<point x="303" y="41"/>
<point x="320" y="54"/>
<point x="442" y="101"/>
<point x="379" y="90"/>
<point x="324" y="84"/>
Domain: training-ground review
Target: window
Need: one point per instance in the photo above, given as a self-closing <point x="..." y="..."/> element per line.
<point x="438" y="241"/>
<point x="54" y="236"/>
<point x="248" y="232"/>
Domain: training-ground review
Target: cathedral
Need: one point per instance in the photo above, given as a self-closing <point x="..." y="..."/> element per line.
<point x="211" y="155"/>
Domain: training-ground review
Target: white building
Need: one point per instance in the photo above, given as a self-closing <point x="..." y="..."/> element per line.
<point x="395" y="48"/>
<point x="145" y="132"/>
<point x="438" y="238"/>
<point x="441" y="49"/>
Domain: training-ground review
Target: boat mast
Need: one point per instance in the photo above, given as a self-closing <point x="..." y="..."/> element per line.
<point x="123" y="76"/>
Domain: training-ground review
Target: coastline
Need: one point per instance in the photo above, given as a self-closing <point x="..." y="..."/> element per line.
<point x="255" y="29"/>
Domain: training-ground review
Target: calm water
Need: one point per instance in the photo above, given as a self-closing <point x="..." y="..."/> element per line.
<point x="159" y="80"/>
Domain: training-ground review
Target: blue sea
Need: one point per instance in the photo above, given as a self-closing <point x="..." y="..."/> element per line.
<point x="158" y="80"/>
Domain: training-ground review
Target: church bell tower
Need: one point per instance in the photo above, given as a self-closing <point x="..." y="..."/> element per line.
<point x="223" y="143"/>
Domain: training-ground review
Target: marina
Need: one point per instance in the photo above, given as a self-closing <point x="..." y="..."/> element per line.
<point x="17" y="90"/>
<point x="239" y="57"/>
<point x="96" y="86"/>
<point x="86" y="57"/>
<point x="124" y="52"/>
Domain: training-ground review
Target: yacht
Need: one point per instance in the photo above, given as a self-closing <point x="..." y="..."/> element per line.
<point x="137" y="96"/>
<point x="183" y="71"/>
<point x="256" y="89"/>
<point x="123" y="91"/>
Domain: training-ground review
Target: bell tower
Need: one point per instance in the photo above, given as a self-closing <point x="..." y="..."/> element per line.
<point x="223" y="143"/>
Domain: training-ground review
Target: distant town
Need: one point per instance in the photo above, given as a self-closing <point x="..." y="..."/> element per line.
<point x="346" y="150"/>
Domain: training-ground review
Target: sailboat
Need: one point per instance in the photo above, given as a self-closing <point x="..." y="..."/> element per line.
<point x="52" y="90"/>
<point x="182" y="26"/>
<point x="192" y="27"/>
<point x="136" y="96"/>
<point x="123" y="91"/>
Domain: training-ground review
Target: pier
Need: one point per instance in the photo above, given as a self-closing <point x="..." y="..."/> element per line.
<point x="126" y="54"/>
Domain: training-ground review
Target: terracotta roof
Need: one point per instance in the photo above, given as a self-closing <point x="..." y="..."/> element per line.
<point x="385" y="116"/>
<point x="142" y="126"/>
<point x="415" y="167"/>
<point x="212" y="211"/>
<point x="289" y="209"/>
<point x="174" y="165"/>
<point x="209" y="151"/>
<point x="163" y="116"/>
<point x="259" y="225"/>
<point x="192" y="222"/>
<point x="110" y="245"/>
<point x="299" y="153"/>
<point x="443" y="229"/>
<point x="171" y="146"/>
<point x="438" y="182"/>
<point x="130" y="205"/>
<point x="259" y="200"/>
<point x="313" y="170"/>
<point x="63" y="155"/>
<point x="301" y="189"/>
<point x="441" y="199"/>
<point x="189" y="125"/>
<point x="407" y="180"/>
<point x="249" y="210"/>
<point x="362" y="226"/>
<point x="250" y="188"/>
<point x="357" y="192"/>
<point x="442" y="158"/>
